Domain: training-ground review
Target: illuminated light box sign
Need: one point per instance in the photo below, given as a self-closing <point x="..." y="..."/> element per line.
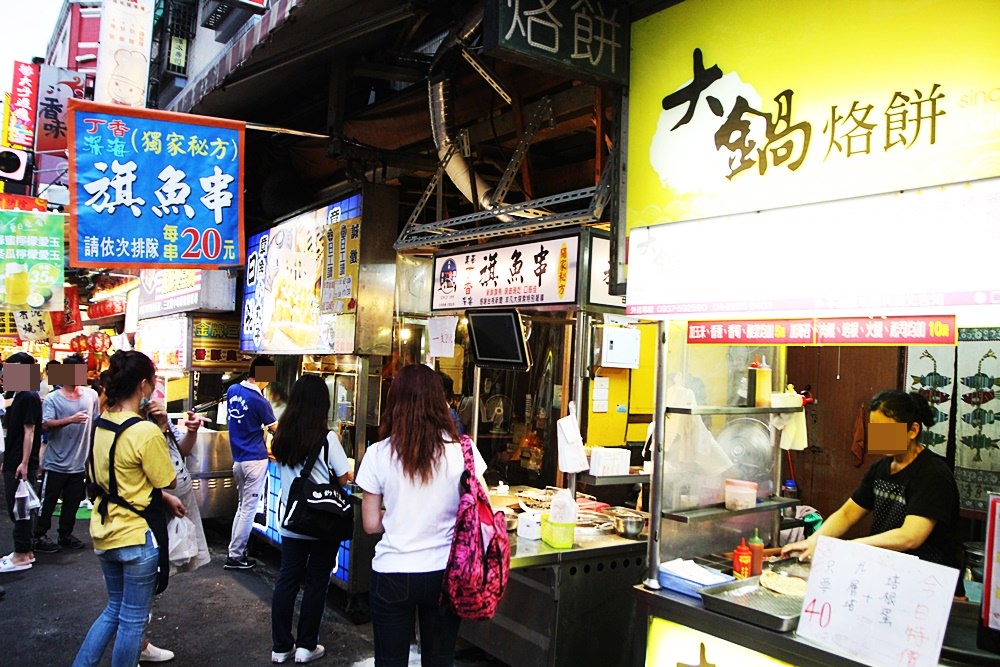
<point x="929" y="330"/>
<point x="670" y="643"/>
<point x="835" y="259"/>
<point x="539" y="273"/>
<point x="721" y="122"/>
<point x="295" y="269"/>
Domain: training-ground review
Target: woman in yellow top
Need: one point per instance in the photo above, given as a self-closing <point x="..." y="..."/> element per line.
<point x="123" y="542"/>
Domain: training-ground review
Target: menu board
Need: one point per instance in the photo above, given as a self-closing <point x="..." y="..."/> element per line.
<point x="880" y="607"/>
<point x="165" y="340"/>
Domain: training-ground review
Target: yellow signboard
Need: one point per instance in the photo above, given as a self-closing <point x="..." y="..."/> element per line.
<point x="744" y="105"/>
<point x="671" y="643"/>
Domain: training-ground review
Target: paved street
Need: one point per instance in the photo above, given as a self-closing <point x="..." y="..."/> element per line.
<point x="207" y="617"/>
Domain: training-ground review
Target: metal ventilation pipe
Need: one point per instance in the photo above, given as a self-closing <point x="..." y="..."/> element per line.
<point x="439" y="93"/>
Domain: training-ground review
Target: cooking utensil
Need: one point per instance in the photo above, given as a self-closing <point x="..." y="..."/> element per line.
<point x="745" y="600"/>
<point x="790" y="566"/>
<point x="629" y="526"/>
<point x="511" y="518"/>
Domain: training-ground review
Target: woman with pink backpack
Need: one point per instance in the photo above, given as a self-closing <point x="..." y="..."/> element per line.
<point x="411" y="482"/>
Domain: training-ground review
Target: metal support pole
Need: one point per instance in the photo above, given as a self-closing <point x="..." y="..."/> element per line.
<point x="475" y="402"/>
<point x="361" y="411"/>
<point x="580" y="339"/>
<point x="656" y="484"/>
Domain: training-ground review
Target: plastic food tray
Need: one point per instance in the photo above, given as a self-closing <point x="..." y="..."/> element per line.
<point x="687" y="586"/>
<point x="746" y="600"/>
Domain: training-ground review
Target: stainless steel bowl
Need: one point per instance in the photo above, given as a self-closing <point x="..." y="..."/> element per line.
<point x="511" y="517"/>
<point x="628" y="525"/>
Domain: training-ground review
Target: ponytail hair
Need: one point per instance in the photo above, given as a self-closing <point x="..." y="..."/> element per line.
<point x="906" y="408"/>
<point x="125" y="373"/>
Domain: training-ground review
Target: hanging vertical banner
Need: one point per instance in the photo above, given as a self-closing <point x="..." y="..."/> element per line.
<point x="342" y="235"/>
<point x="31" y="254"/>
<point x="20" y="128"/>
<point x="55" y="88"/>
<point x="154" y="189"/>
<point x="123" y="56"/>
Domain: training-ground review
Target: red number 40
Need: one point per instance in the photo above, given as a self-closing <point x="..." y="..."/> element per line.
<point x="823" y="612"/>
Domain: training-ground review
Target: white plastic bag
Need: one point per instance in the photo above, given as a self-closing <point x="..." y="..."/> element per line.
<point x="25" y="501"/>
<point x="183" y="540"/>
<point x="564" y="507"/>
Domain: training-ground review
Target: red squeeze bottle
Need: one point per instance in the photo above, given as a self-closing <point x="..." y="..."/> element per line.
<point x="756" y="546"/>
<point x="742" y="560"/>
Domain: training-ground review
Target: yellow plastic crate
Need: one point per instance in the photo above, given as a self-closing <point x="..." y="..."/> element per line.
<point x="558" y="535"/>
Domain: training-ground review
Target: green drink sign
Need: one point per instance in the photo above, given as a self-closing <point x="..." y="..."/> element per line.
<point x="31" y="260"/>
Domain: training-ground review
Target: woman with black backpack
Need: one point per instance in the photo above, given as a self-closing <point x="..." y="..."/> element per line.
<point x="128" y="467"/>
<point x="414" y="473"/>
<point x="304" y="559"/>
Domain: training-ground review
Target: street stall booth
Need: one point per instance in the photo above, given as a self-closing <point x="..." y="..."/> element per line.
<point x="318" y="298"/>
<point x="822" y="236"/>
<point x="513" y="323"/>
<point x="185" y="324"/>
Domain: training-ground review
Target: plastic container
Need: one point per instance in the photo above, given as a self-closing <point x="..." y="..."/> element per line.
<point x="759" y="384"/>
<point x="558" y="535"/>
<point x="691" y="587"/>
<point x="740" y="494"/>
<point x="742" y="560"/>
<point x="756" y="546"/>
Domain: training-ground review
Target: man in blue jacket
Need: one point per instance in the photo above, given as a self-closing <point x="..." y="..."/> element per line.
<point x="249" y="414"/>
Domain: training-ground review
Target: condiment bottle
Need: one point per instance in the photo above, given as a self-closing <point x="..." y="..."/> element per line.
<point x="756" y="546"/>
<point x="741" y="560"/>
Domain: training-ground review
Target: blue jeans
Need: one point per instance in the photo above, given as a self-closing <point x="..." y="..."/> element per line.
<point x="395" y="600"/>
<point x="302" y="561"/>
<point x="130" y="576"/>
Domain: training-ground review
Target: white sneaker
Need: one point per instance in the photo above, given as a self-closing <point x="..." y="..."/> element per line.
<point x="305" y="655"/>
<point x="155" y="654"/>
<point x="278" y="657"/>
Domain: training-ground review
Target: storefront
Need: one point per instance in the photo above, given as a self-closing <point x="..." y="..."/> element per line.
<point x="318" y="298"/>
<point x="798" y="229"/>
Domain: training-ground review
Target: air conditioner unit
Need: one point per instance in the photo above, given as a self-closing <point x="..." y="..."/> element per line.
<point x="13" y="163"/>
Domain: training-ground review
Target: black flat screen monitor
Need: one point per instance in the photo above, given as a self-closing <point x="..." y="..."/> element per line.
<point x="498" y="340"/>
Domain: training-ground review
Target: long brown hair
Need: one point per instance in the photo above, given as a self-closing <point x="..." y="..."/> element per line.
<point x="303" y="422"/>
<point x="416" y="415"/>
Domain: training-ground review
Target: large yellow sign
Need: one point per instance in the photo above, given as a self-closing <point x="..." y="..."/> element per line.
<point x="744" y="105"/>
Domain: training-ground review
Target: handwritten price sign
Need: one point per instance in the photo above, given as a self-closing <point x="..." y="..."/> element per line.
<point x="881" y="607"/>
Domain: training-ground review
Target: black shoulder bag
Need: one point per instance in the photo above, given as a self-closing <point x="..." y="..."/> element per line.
<point x="155" y="513"/>
<point x="322" y="511"/>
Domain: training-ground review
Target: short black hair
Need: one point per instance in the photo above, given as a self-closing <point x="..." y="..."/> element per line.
<point x="73" y="359"/>
<point x="20" y="358"/>
<point x="257" y="362"/>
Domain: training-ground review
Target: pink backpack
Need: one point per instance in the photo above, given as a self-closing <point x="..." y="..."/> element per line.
<point x="479" y="564"/>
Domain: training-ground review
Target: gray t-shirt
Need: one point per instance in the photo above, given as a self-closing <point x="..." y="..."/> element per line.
<point x="68" y="445"/>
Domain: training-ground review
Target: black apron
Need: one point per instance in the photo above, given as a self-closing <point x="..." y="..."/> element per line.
<point x="155" y="513"/>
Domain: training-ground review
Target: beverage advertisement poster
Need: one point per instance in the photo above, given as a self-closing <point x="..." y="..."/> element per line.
<point x="31" y="257"/>
<point x="154" y="189"/>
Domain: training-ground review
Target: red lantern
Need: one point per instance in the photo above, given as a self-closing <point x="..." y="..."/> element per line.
<point x="99" y="342"/>
<point x="79" y="343"/>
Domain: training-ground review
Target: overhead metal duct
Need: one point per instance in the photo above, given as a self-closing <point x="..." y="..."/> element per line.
<point x="439" y="92"/>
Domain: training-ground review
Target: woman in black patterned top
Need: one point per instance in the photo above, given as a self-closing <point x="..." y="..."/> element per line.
<point x="911" y="493"/>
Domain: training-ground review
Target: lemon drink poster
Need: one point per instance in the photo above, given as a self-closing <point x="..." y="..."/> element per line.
<point x="31" y="260"/>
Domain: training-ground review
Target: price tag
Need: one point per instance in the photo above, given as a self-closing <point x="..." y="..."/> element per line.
<point x="880" y="607"/>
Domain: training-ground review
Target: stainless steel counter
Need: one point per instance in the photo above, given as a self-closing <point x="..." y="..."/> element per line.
<point x="530" y="553"/>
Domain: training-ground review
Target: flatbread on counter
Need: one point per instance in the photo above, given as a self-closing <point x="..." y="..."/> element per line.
<point x="784" y="584"/>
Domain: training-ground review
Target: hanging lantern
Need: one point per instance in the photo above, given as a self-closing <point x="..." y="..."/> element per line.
<point x="99" y="342"/>
<point x="78" y="344"/>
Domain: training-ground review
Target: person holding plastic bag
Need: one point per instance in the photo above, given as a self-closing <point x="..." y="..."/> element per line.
<point x="123" y="540"/>
<point x="20" y="459"/>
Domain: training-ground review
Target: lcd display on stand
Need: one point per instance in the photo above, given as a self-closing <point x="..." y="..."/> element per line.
<point x="498" y="340"/>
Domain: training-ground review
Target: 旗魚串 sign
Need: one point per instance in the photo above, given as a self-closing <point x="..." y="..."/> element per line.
<point x="154" y="189"/>
<point x="540" y="273"/>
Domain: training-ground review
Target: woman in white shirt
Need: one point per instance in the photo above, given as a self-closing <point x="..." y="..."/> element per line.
<point x="304" y="559"/>
<point x="414" y="473"/>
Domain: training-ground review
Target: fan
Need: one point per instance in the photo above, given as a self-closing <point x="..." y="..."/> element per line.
<point x="497" y="412"/>
<point x="747" y="443"/>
